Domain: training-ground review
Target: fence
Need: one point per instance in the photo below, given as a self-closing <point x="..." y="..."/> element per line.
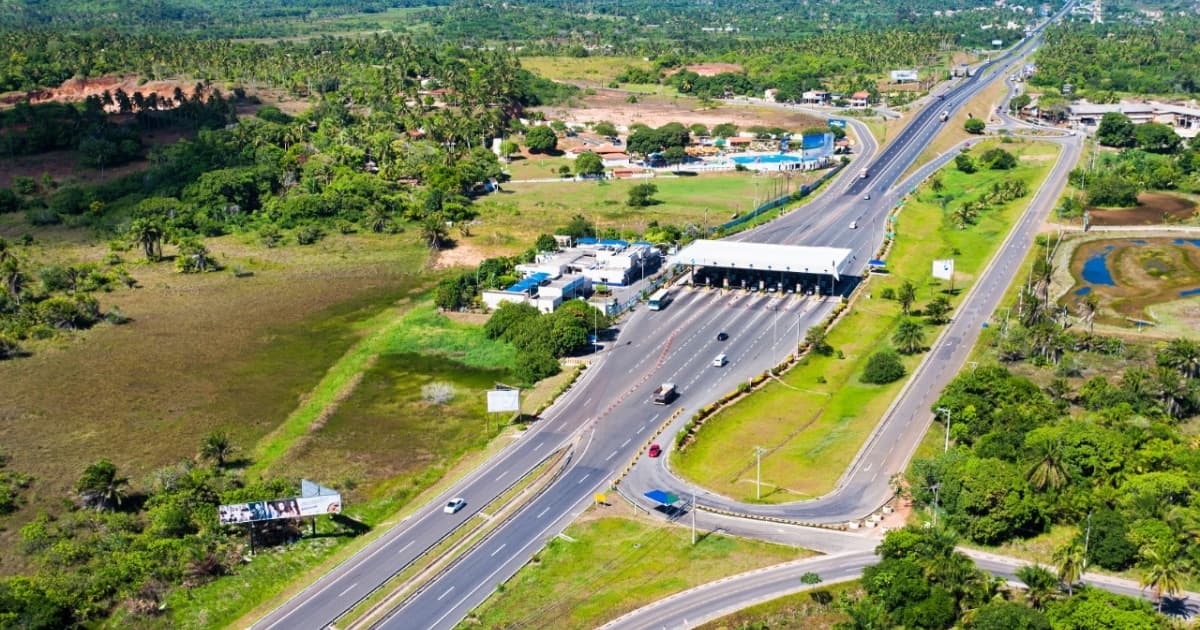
<point x="804" y="191"/>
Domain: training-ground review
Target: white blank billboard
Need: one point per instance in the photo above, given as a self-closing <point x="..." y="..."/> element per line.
<point x="501" y="400"/>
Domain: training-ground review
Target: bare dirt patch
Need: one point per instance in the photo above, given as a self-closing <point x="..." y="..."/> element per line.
<point x="709" y="69"/>
<point x="75" y="90"/>
<point x="611" y="105"/>
<point x="1152" y="209"/>
<point x="463" y="254"/>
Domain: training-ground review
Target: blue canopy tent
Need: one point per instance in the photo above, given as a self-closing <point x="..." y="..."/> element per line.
<point x="662" y="496"/>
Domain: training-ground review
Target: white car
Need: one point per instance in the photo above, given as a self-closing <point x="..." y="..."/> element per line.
<point x="455" y="505"/>
<point x="854" y="225"/>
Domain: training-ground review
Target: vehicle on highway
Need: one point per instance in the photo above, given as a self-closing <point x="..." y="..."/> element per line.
<point x="867" y="197"/>
<point x="944" y="116"/>
<point x="720" y="361"/>
<point x="455" y="505"/>
<point x="854" y="225"/>
<point x="722" y="336"/>
<point x="864" y="174"/>
<point x="659" y="300"/>
<point x="664" y="394"/>
<point x="655" y="450"/>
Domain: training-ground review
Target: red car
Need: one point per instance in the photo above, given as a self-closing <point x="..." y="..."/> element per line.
<point x="655" y="450"/>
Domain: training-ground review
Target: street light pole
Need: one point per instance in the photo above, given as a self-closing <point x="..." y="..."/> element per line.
<point x="693" y="518"/>
<point x="946" y="446"/>
<point x="758" y="451"/>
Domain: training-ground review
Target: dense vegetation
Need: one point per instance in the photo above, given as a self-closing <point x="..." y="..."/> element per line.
<point x="1103" y="60"/>
<point x="1153" y="157"/>
<point x="124" y="544"/>
<point x="1107" y="456"/>
<point x="921" y="581"/>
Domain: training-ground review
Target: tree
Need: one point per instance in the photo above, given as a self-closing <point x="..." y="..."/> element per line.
<point x="817" y="340"/>
<point x="1070" y="563"/>
<point x="434" y="231"/>
<point x="193" y="257"/>
<point x="1019" y="102"/>
<point x="1047" y="472"/>
<point x="589" y="163"/>
<point x="545" y="243"/>
<point x="605" y="128"/>
<point x="149" y="234"/>
<point x="998" y="159"/>
<point x="937" y="310"/>
<point x="578" y="227"/>
<point x="964" y="163"/>
<point x="1182" y="355"/>
<point x="1003" y="615"/>
<point x="1108" y="545"/>
<point x="974" y="125"/>
<point x="1115" y="130"/>
<point x="541" y="140"/>
<point x="508" y="148"/>
<point x="8" y="347"/>
<point x="1157" y="138"/>
<point x="642" y="195"/>
<point x="675" y="155"/>
<point x="1112" y="189"/>
<point x="1163" y="573"/>
<point x="883" y="367"/>
<point x="532" y="367"/>
<point x="217" y="446"/>
<point x="725" y="130"/>
<point x="100" y="487"/>
<point x="906" y="295"/>
<point x="1097" y="609"/>
<point x="909" y="336"/>
<point x="1040" y="585"/>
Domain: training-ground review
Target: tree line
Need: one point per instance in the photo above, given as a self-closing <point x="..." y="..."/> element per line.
<point x="1151" y="156"/>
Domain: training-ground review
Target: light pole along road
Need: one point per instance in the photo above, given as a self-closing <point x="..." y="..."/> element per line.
<point x="606" y="416"/>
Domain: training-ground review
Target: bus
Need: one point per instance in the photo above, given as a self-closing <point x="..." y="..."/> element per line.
<point x="660" y="299"/>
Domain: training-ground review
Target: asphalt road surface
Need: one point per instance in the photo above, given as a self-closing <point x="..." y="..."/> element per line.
<point x="607" y="416"/>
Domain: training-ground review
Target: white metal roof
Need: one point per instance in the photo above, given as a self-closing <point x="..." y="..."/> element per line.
<point x="764" y="257"/>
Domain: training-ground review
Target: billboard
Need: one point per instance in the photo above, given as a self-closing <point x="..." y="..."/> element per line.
<point x="837" y="122"/>
<point x="943" y="269"/>
<point x="501" y="400"/>
<point x="255" y="511"/>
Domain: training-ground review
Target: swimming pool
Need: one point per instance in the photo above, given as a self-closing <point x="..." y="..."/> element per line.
<point x="772" y="158"/>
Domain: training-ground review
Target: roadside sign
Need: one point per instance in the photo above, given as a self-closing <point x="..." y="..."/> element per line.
<point x="600" y="497"/>
<point x="837" y="122"/>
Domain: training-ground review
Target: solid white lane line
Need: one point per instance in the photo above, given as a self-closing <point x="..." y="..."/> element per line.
<point x="443" y="595"/>
<point x="348" y="589"/>
<point x="502" y="546"/>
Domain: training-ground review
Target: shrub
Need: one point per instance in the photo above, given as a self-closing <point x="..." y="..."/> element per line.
<point x="883" y="367"/>
<point x="309" y="234"/>
<point x="964" y="163"/>
<point x="532" y="367"/>
<point x="974" y="125"/>
<point x="998" y="159"/>
<point x="438" y="393"/>
<point x="888" y="293"/>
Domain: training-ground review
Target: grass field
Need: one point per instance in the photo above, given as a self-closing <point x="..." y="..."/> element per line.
<point x="801" y="611"/>
<point x="511" y="220"/>
<point x="590" y="70"/>
<point x="817" y="418"/>
<point x="609" y="565"/>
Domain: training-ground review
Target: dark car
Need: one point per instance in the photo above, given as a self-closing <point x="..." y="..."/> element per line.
<point x="722" y="336"/>
<point x="655" y="450"/>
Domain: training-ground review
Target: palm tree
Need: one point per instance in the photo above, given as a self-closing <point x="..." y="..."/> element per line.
<point x="1163" y="573"/>
<point x="11" y="277"/>
<point x="1071" y="563"/>
<point x="909" y="336"/>
<point x="1048" y="472"/>
<point x="906" y="295"/>
<point x="1040" y="585"/>
<point x="217" y="446"/>
<point x="1091" y="304"/>
<point x="100" y="487"/>
<point x="379" y="218"/>
<point x="433" y="230"/>
<point x="149" y="235"/>
<point x="1182" y="355"/>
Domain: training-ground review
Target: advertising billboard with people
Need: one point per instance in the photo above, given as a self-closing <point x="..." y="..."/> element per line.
<point x="279" y="508"/>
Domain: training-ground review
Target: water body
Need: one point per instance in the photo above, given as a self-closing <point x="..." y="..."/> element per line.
<point x="1190" y="292"/>
<point x="1183" y="241"/>
<point x="1083" y="291"/>
<point x="1138" y="241"/>
<point x="1095" y="269"/>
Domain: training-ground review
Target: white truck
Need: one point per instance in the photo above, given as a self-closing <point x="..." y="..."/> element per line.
<point x="664" y="394"/>
<point x="944" y="116"/>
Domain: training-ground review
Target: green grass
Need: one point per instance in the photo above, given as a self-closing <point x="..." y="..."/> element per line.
<point x="593" y="70"/>
<point x="800" y="610"/>
<point x="815" y="428"/>
<point x="516" y="216"/>
<point x="615" y="565"/>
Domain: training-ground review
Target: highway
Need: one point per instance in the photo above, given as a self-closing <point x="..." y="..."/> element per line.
<point x="606" y="417"/>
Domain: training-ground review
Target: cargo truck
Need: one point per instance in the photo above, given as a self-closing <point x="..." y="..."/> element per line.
<point x="944" y="116"/>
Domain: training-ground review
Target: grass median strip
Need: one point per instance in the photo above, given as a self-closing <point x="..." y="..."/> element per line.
<point x="611" y="562"/>
<point x="449" y="549"/>
<point x="815" y="420"/>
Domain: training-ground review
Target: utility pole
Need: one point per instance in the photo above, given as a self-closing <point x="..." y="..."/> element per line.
<point x="693" y="518"/>
<point x="758" y="451"/>
<point x="1087" y="536"/>
<point x="946" y="446"/>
